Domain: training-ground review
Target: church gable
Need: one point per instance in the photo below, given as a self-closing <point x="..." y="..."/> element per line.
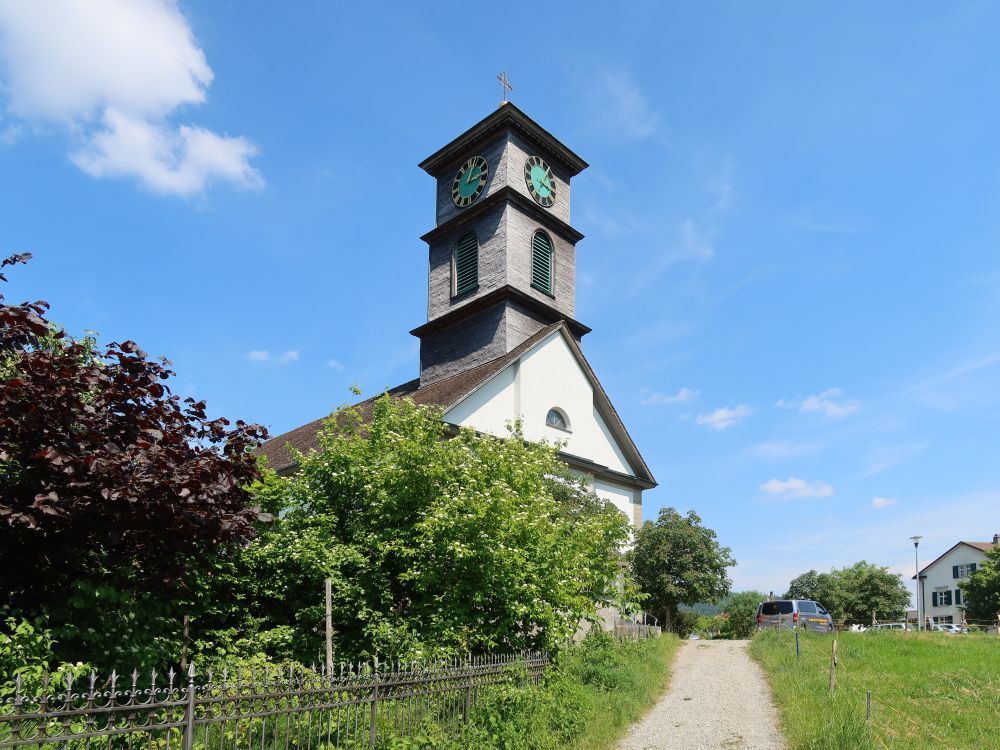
<point x="551" y="376"/>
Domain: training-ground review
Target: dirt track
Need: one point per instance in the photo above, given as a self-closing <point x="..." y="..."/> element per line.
<point x="718" y="698"/>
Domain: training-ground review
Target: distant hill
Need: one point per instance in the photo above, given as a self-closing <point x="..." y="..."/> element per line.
<point x="702" y="608"/>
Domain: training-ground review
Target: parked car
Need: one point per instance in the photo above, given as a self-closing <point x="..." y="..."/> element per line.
<point x="883" y="627"/>
<point x="794" y="613"/>
<point x="947" y="627"/>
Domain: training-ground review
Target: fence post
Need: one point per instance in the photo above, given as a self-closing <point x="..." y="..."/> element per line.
<point x="868" y="707"/>
<point x="372" y="727"/>
<point x="328" y="590"/>
<point x="189" y="711"/>
<point x="796" y="643"/>
<point x="833" y="667"/>
<point x="467" y="709"/>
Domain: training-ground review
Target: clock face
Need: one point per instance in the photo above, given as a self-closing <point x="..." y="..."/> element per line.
<point x="541" y="184"/>
<point x="470" y="181"/>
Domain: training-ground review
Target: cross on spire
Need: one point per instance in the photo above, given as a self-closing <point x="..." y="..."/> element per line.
<point x="505" y="85"/>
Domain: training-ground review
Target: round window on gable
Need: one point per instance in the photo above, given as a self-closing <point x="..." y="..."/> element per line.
<point x="556" y="418"/>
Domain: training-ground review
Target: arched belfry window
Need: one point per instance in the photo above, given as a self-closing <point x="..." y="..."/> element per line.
<point x="541" y="262"/>
<point x="465" y="268"/>
<point x="557" y="418"/>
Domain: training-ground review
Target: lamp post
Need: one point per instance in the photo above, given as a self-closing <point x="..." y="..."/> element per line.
<point x="916" y="565"/>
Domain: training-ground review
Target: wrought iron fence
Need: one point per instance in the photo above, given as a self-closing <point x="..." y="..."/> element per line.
<point x="356" y="706"/>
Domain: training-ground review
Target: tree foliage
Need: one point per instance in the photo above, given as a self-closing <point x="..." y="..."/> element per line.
<point x="677" y="561"/>
<point x="102" y="469"/>
<point x="432" y="543"/>
<point x="740" y="611"/>
<point x="982" y="589"/>
<point x="851" y="593"/>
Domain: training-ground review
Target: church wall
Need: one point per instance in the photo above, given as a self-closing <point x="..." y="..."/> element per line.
<point x="521" y="324"/>
<point x="495" y="153"/>
<point x="520" y="230"/>
<point x="494" y="404"/>
<point x="506" y="155"/>
<point x="449" y="351"/>
<point x="626" y="499"/>
<point x="491" y="228"/>
<point x="518" y="150"/>
<point x="551" y="377"/>
<point x="548" y="376"/>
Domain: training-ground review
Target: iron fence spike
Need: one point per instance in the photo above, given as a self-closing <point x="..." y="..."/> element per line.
<point x="17" y="687"/>
<point x="191" y="670"/>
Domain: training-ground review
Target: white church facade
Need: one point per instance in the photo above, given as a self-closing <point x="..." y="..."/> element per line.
<point x="500" y="342"/>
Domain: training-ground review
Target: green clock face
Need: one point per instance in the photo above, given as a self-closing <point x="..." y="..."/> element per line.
<point x="470" y="181"/>
<point x="541" y="184"/>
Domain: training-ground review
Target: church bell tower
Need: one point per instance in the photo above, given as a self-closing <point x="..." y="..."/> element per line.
<point x="502" y="256"/>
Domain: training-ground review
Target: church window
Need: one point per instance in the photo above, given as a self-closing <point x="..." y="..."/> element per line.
<point x="466" y="264"/>
<point x="556" y="418"/>
<point x="541" y="262"/>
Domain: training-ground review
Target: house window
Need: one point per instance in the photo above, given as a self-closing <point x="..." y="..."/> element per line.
<point x="558" y="419"/>
<point x="541" y="262"/>
<point x="963" y="571"/>
<point x="465" y="264"/>
<point x="941" y="598"/>
<point x="958" y="596"/>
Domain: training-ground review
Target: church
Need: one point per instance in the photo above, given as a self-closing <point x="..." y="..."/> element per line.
<point x="501" y="341"/>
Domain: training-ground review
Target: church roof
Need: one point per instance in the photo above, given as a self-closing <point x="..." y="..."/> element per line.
<point x="507" y="116"/>
<point x="448" y="392"/>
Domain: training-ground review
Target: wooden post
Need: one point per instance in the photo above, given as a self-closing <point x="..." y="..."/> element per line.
<point x="184" y="643"/>
<point x="868" y="707"/>
<point x="833" y="667"/>
<point x="329" y="627"/>
<point x="796" y="644"/>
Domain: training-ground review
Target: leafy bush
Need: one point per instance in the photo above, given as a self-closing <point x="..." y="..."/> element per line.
<point x="592" y="694"/>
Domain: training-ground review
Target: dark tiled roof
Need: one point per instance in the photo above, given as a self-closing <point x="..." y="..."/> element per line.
<point x="444" y="393"/>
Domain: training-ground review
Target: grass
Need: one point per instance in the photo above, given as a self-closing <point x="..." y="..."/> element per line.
<point x="586" y="702"/>
<point x="929" y="690"/>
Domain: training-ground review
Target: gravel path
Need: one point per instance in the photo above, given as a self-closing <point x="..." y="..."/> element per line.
<point x="718" y="699"/>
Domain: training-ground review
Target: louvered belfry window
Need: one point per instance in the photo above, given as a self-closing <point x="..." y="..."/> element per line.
<point x="541" y="262"/>
<point x="467" y="264"/>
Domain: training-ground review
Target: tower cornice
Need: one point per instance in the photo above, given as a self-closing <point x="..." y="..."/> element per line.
<point x="507" y="116"/>
<point x="506" y="292"/>
<point x="509" y="195"/>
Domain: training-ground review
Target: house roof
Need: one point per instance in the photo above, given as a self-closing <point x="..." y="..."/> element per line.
<point x="981" y="546"/>
<point x="448" y="392"/>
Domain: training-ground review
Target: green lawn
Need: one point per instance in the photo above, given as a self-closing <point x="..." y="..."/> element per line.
<point x="930" y="690"/>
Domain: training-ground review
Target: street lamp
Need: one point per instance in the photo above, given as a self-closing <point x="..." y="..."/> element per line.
<point x="916" y="564"/>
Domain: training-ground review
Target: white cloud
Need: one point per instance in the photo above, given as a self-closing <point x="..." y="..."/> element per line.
<point x="263" y="356"/>
<point x="794" y="487"/>
<point x="113" y="72"/>
<point x="779" y="449"/>
<point x="335" y="364"/>
<point x="620" y="102"/>
<point x="829" y="402"/>
<point x="887" y="456"/>
<point x="883" y="502"/>
<point x="659" y="398"/>
<point x="723" y="417"/>
<point x="696" y="243"/>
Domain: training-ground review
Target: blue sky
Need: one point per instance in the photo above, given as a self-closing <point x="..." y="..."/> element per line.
<point x="791" y="264"/>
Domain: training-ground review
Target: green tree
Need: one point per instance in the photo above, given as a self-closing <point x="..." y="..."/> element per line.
<point x="434" y="544"/>
<point x="740" y="611"/>
<point x="678" y="561"/>
<point x="982" y="589"/>
<point x="852" y="593"/>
